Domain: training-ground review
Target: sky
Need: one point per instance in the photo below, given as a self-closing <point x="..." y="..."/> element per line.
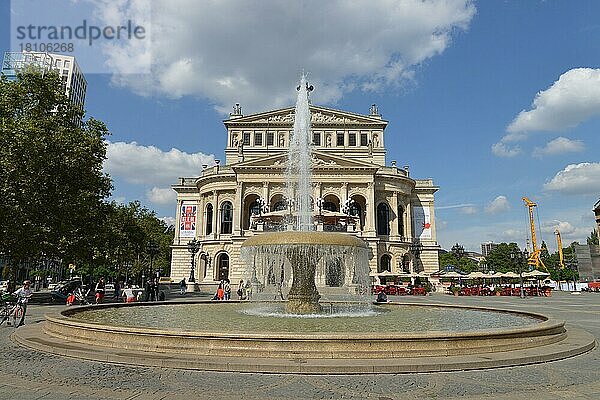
<point x="495" y="100"/>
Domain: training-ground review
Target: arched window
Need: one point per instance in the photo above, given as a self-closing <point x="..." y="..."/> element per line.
<point x="254" y="208"/>
<point x="226" y="218"/>
<point x="223" y="271"/>
<point x="385" y="264"/>
<point x="383" y="219"/>
<point x="401" y="221"/>
<point x="209" y="219"/>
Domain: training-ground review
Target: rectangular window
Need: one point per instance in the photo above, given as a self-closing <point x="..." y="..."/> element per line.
<point x="67" y="63"/>
<point x="316" y="138"/>
<point x="364" y="140"/>
<point x="270" y="138"/>
<point x="258" y="136"/>
<point x="246" y="138"/>
<point x="340" y="139"/>
<point x="352" y="139"/>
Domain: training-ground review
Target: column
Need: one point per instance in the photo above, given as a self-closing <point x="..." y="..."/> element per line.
<point x="394" y="224"/>
<point x="176" y="239"/>
<point x="216" y="215"/>
<point x="409" y="225"/>
<point x="238" y="209"/>
<point x="265" y="193"/>
<point x="370" y="209"/>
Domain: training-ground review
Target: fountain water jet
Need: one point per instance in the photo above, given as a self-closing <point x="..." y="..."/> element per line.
<point x="301" y="248"/>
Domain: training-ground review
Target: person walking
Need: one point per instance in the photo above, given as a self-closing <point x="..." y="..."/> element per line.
<point x="117" y="290"/>
<point x="227" y="290"/>
<point x="240" y="290"/>
<point x="182" y="287"/>
<point x="220" y="291"/>
<point x="100" y="291"/>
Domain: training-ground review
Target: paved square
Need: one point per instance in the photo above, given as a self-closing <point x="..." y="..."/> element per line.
<point x="28" y="374"/>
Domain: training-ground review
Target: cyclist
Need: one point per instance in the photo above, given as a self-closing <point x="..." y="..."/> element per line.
<point x="23" y="295"/>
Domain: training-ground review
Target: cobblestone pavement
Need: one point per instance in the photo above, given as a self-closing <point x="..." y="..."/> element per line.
<point x="27" y="374"/>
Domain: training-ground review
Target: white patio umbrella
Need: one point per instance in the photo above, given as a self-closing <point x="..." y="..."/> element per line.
<point x="452" y="274"/>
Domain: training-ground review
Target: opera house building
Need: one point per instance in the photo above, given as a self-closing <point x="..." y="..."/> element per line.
<point x="354" y="190"/>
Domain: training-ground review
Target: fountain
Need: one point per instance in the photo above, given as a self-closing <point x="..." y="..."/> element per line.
<point x="301" y="247"/>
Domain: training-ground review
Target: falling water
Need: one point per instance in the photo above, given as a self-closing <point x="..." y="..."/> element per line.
<point x="298" y="174"/>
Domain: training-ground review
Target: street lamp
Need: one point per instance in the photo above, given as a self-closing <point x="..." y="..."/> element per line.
<point x="519" y="257"/>
<point x="193" y="247"/>
<point x="416" y="248"/>
<point x="572" y="264"/>
<point x="152" y="251"/>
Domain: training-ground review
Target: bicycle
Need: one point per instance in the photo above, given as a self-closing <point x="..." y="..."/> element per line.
<point x="11" y="311"/>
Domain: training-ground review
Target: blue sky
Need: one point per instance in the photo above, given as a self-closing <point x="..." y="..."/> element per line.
<point x="494" y="100"/>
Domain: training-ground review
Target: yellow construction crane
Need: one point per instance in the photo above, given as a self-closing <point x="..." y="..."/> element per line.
<point x="560" y="249"/>
<point x="534" y="257"/>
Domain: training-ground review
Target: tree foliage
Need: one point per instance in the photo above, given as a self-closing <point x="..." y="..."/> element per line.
<point x="51" y="180"/>
<point x="54" y="192"/>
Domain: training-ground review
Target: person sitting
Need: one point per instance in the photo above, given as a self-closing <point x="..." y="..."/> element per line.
<point x="381" y="297"/>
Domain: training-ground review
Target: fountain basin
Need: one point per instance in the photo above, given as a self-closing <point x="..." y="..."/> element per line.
<point x="273" y="343"/>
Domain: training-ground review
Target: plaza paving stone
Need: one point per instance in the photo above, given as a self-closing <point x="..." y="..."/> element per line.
<point x="27" y="374"/>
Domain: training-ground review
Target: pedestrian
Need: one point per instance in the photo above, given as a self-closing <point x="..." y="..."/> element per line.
<point x="227" y="290"/>
<point x="153" y="290"/>
<point x="157" y="287"/>
<point x="117" y="290"/>
<point x="182" y="287"/>
<point x="128" y="295"/>
<point x="240" y="290"/>
<point x="99" y="291"/>
<point x="220" y="291"/>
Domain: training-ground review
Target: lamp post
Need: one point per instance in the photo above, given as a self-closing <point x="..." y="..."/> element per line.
<point x="193" y="247"/>
<point x="416" y="248"/>
<point x="572" y="263"/>
<point x="518" y="257"/>
<point x="152" y="251"/>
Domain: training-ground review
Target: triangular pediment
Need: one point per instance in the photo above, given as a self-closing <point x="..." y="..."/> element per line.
<point x="320" y="160"/>
<point x="319" y="116"/>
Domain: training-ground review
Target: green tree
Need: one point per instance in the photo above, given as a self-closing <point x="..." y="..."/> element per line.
<point x="499" y="259"/>
<point x="465" y="264"/>
<point x="51" y="180"/>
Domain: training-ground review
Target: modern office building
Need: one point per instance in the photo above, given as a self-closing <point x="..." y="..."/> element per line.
<point x="487" y="248"/>
<point x="66" y="67"/>
<point x="354" y="190"/>
<point x="597" y="214"/>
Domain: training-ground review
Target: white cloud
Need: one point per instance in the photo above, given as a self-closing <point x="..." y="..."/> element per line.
<point x="501" y="149"/>
<point x="560" y="145"/>
<point x="168" y="220"/>
<point x="498" y="205"/>
<point x="150" y="165"/>
<point x="469" y="210"/>
<point x="572" y="99"/>
<point x="568" y="232"/>
<point x="511" y="235"/>
<point x="253" y="52"/>
<point x="583" y="178"/>
<point x="162" y="195"/>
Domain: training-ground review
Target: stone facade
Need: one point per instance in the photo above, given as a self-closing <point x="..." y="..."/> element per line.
<point x="391" y="210"/>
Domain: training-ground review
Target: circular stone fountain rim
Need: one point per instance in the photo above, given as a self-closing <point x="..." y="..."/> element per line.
<point x="545" y="324"/>
<point x="300" y="237"/>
